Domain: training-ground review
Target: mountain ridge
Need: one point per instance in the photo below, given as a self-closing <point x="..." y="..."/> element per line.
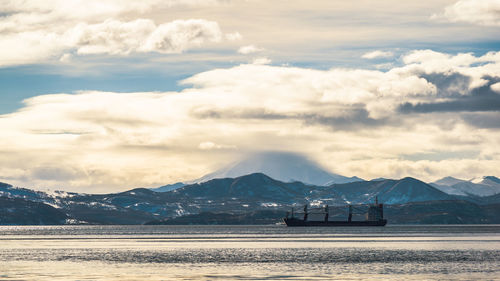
<point x="245" y="194"/>
<point x="485" y="186"/>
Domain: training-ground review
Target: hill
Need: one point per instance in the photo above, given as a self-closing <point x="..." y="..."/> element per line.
<point x="18" y="211"/>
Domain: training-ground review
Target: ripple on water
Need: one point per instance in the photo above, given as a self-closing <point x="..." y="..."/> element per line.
<point x="125" y="252"/>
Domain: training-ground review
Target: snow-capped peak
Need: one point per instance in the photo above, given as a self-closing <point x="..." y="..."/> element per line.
<point x="283" y="166"/>
<point x="448" y="181"/>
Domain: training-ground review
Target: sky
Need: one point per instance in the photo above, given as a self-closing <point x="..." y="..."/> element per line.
<point x="102" y="96"/>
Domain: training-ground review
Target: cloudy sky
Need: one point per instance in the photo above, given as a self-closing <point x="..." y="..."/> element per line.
<point x="102" y="96"/>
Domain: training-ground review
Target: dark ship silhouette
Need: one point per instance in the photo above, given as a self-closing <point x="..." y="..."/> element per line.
<point x="374" y="217"/>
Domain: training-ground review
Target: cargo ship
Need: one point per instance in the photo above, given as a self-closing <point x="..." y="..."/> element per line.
<point x="374" y="217"/>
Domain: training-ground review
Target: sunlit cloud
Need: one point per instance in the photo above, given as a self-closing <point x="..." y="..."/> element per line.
<point x="37" y="32"/>
<point x="109" y="37"/>
<point x="377" y="54"/>
<point x="249" y="49"/>
<point x="496" y="87"/>
<point x="207" y="145"/>
<point x="359" y="122"/>
<point x="483" y="12"/>
<point x="184" y="86"/>
<point x="261" y="60"/>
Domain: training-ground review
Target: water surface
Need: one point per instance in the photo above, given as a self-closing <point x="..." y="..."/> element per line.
<point x="461" y="252"/>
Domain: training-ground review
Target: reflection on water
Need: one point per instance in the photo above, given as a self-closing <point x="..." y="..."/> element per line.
<point x="469" y="252"/>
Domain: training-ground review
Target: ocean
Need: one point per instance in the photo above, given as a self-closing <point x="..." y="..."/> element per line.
<point x="393" y="252"/>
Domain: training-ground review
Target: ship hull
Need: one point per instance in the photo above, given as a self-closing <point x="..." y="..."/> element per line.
<point x="297" y="222"/>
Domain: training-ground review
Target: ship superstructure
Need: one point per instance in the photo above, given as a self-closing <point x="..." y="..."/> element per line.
<point x="374" y="216"/>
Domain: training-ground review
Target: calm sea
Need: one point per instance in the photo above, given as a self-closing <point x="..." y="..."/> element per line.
<point x="461" y="252"/>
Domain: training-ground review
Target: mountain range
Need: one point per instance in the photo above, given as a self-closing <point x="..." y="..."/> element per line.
<point x="484" y="186"/>
<point x="259" y="189"/>
<point x="290" y="167"/>
<point x="253" y="195"/>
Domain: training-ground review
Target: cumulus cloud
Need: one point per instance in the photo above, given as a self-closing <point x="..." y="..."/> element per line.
<point x="367" y="120"/>
<point x="484" y="12"/>
<point x="249" y="49"/>
<point x="109" y="37"/>
<point x="459" y="99"/>
<point x="429" y="61"/>
<point x="179" y="35"/>
<point x="36" y="32"/>
<point x="377" y="54"/>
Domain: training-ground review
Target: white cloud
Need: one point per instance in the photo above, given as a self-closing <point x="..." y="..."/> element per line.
<point x="482" y="12"/>
<point x="208" y="145"/>
<point x="37" y="32"/>
<point x="34" y="20"/>
<point x="496" y="87"/>
<point x="261" y="61"/>
<point x="430" y="61"/>
<point x="176" y="36"/>
<point x="109" y="37"/>
<point x="57" y="17"/>
<point x="249" y="49"/>
<point x="346" y="116"/>
<point x="377" y="54"/>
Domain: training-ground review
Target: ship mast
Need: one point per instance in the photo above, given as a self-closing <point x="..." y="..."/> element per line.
<point x="349" y="219"/>
<point x="326" y="213"/>
<point x="305" y="212"/>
